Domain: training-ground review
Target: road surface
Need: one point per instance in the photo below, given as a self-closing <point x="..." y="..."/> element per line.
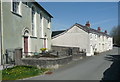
<point x="89" y="68"/>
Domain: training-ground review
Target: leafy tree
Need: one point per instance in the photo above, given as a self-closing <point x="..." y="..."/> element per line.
<point x="115" y="33"/>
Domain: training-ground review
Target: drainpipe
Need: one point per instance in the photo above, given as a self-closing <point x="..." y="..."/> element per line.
<point x="1" y="33"/>
<point x="0" y="36"/>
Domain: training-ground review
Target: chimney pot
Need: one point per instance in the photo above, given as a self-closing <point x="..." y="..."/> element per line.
<point x="106" y="31"/>
<point x="87" y="24"/>
<point x="99" y="29"/>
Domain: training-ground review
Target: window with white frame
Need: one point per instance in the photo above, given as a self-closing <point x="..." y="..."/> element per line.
<point x="90" y="35"/>
<point x="40" y="20"/>
<point x="45" y="22"/>
<point x="33" y="21"/>
<point x="48" y="23"/>
<point x="16" y="6"/>
<point x="40" y="17"/>
<point x="99" y="37"/>
<point x="96" y="36"/>
<point x="41" y="29"/>
<point x="103" y="38"/>
<point x="26" y="3"/>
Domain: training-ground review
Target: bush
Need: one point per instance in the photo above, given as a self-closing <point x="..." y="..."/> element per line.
<point x="19" y="72"/>
<point x="43" y="49"/>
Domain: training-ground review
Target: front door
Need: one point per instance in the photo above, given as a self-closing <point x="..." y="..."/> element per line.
<point x="44" y="43"/>
<point x="25" y="44"/>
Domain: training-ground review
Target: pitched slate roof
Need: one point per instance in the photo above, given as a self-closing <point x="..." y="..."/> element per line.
<point x="87" y="29"/>
<point x="42" y="8"/>
<point x="92" y="30"/>
<point x="54" y="33"/>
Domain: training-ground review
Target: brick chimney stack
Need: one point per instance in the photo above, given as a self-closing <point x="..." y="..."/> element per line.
<point x="87" y="24"/>
<point x="105" y="31"/>
<point x="99" y="29"/>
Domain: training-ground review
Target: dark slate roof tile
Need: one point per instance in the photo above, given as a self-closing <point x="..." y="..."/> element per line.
<point x="54" y="33"/>
<point x="87" y="29"/>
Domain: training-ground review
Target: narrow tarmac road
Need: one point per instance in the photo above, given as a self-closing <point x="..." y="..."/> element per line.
<point x="89" y="68"/>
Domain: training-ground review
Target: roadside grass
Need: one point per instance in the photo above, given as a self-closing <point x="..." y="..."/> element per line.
<point x="0" y="74"/>
<point x="20" y="72"/>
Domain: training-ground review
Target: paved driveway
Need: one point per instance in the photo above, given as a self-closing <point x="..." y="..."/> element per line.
<point x="90" y="68"/>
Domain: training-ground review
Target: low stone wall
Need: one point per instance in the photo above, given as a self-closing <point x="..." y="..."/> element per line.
<point x="78" y="56"/>
<point x="65" y="51"/>
<point x="46" y="62"/>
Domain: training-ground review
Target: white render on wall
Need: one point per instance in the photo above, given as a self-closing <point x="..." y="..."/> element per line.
<point x="89" y="41"/>
<point x="100" y="44"/>
<point x="17" y="26"/>
<point x="71" y="38"/>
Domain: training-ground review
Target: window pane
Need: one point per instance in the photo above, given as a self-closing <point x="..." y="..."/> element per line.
<point x="15" y="6"/>
<point x="33" y="20"/>
<point x="26" y="3"/>
<point x="40" y="16"/>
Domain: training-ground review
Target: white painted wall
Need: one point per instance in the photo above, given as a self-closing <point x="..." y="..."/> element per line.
<point x="13" y="26"/>
<point x="100" y="42"/>
<point x="76" y="37"/>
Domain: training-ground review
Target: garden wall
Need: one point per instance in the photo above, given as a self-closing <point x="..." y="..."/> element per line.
<point x="44" y="62"/>
<point x="66" y="51"/>
<point x="78" y="56"/>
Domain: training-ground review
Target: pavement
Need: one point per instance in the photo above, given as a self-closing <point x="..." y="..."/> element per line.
<point x="98" y="67"/>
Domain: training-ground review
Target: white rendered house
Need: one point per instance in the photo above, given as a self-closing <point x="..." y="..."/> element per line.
<point x="84" y="37"/>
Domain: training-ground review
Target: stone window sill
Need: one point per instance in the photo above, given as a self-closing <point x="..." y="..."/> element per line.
<point x="16" y="14"/>
<point x="33" y="37"/>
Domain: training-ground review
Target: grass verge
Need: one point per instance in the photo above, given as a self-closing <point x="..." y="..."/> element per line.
<point x="20" y="72"/>
<point x="0" y="74"/>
